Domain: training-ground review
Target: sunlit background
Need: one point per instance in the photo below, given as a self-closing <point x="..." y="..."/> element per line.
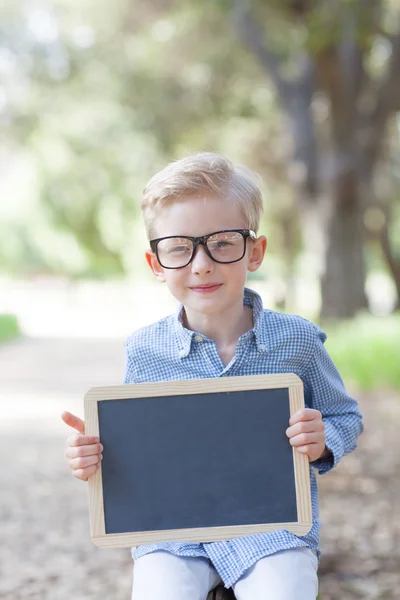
<point x="95" y="97"/>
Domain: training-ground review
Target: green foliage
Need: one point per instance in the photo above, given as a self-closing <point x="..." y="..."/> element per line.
<point x="9" y="327"/>
<point x="100" y="95"/>
<point x="367" y="351"/>
<point x="113" y="94"/>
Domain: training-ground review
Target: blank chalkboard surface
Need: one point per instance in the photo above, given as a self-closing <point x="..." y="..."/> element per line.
<point x="198" y="460"/>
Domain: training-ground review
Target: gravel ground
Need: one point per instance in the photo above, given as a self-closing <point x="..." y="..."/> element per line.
<point x="46" y="551"/>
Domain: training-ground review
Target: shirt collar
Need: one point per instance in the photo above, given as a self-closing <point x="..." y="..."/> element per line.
<point x="185" y="336"/>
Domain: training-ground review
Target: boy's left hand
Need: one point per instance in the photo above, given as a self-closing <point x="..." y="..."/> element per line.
<point x="307" y="433"/>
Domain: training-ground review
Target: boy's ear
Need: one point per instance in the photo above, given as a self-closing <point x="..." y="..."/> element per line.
<point x="155" y="266"/>
<point x="257" y="253"/>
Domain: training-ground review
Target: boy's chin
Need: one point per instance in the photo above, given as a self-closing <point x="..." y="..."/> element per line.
<point x="206" y="305"/>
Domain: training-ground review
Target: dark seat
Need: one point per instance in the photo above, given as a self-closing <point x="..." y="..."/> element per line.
<point x="220" y="593"/>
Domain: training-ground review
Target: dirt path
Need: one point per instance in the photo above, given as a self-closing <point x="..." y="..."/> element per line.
<point x="45" y="550"/>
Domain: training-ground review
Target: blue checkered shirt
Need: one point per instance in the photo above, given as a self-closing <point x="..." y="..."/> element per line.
<point x="278" y="343"/>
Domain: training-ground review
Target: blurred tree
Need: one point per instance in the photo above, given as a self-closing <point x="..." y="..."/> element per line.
<point x="346" y="63"/>
<point x="383" y="219"/>
<point x="109" y="95"/>
<point x="101" y="95"/>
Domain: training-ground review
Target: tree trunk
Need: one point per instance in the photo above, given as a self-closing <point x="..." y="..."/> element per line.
<point x="392" y="262"/>
<point x="357" y="132"/>
<point x="342" y="284"/>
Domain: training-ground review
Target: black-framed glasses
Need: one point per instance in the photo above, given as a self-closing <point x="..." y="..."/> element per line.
<point x="227" y="246"/>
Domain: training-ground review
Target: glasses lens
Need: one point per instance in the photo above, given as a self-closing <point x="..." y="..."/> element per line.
<point x="174" y="252"/>
<point x="226" y="246"/>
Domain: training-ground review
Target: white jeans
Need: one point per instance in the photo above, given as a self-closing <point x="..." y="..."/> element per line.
<point x="286" y="575"/>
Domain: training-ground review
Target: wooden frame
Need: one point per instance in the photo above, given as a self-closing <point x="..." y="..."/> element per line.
<point x="196" y="386"/>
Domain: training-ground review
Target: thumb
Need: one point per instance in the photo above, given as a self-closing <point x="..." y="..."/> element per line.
<point x="73" y="421"/>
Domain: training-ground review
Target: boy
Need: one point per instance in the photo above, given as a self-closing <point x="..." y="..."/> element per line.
<point x="202" y="214"/>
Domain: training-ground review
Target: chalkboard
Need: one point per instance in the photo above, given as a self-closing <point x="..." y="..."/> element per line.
<point x="197" y="460"/>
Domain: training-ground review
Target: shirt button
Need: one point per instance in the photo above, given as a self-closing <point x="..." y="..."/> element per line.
<point x="182" y="353"/>
<point x="261" y="347"/>
<point x="198" y="338"/>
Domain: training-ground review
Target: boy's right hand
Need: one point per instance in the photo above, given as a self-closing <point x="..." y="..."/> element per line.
<point x="84" y="451"/>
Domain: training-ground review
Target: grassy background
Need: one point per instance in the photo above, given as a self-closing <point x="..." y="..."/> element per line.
<point x="9" y="327"/>
<point x="366" y="351"/>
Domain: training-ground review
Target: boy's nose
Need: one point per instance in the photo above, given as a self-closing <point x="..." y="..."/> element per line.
<point x="201" y="262"/>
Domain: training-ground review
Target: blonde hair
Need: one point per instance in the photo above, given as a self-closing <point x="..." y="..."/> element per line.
<point x="205" y="172"/>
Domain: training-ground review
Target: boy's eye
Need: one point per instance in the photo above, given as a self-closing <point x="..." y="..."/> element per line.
<point x="179" y="249"/>
<point x="219" y="244"/>
<point x="227" y="241"/>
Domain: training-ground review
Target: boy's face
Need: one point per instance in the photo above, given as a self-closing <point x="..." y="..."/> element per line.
<point x="200" y="216"/>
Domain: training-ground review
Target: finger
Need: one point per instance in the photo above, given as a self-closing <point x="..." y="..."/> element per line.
<point x="313" y="451"/>
<point x="87" y="450"/>
<point x="305" y="427"/>
<point x="84" y="474"/>
<point x="83" y="462"/>
<point x="306" y="438"/>
<point x="305" y="414"/>
<point x="77" y="439"/>
<point x="303" y="449"/>
<point x="73" y="421"/>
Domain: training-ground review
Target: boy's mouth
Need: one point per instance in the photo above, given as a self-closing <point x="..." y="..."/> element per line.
<point x="206" y="288"/>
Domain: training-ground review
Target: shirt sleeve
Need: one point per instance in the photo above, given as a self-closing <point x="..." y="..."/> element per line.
<point x="324" y="390"/>
<point x="129" y="365"/>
